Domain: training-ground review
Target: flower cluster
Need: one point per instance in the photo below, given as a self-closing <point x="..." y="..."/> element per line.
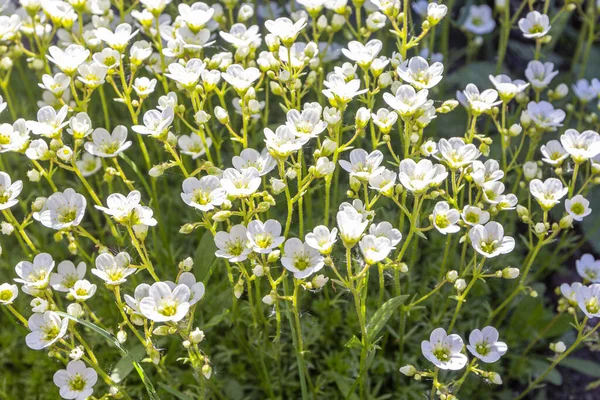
<point x="312" y="163"/>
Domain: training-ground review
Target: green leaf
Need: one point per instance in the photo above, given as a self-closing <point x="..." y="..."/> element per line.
<point x="539" y="366"/>
<point x="585" y="367"/>
<point x="175" y="392"/>
<point x="216" y="319"/>
<point x="354" y="342"/>
<point x="381" y="316"/>
<point x="124" y="366"/>
<point x="204" y="256"/>
<point x="113" y="340"/>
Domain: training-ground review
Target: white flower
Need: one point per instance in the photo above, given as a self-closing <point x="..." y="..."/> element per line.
<point x="164" y="304"/>
<point x="127" y="210"/>
<point x="241" y="184"/>
<point x="385" y="229"/>
<point x="489" y="240"/>
<point x="56" y="84"/>
<point x="407" y="100"/>
<point x="483" y="173"/>
<point x="9" y="191"/>
<point x="110" y="58"/>
<point x="76" y="381"/>
<point x="548" y="193"/>
<point x="307" y="123"/>
<point x="119" y="39"/>
<point x="66" y="275"/>
<point x="578" y="207"/>
<point x="444" y="350"/>
<point x="570" y="291"/>
<point x="13" y="137"/>
<point x="363" y="54"/>
<point x="192" y="145"/>
<point x="506" y="87"/>
<point x="68" y="59"/>
<point x="241" y="36"/>
<point x="588" y="268"/>
<point x="49" y="122"/>
<point x="375" y="248"/>
<point x="435" y="12"/>
<point x="80" y="125"/>
<point x="581" y="146"/>
<point x="363" y="165"/>
<point x="234" y="244"/>
<point x="88" y="165"/>
<point x="92" y="74"/>
<point x="420" y="74"/>
<point x="540" y="74"/>
<point x="484" y="345"/>
<point x="554" y="153"/>
<point x="143" y="86"/>
<point x="196" y="288"/>
<point x="584" y="91"/>
<point x="8" y="293"/>
<point x="301" y="259"/>
<point x="535" y="25"/>
<point x="239" y="78"/>
<point x="39" y="305"/>
<point x="141" y="291"/>
<point x="445" y="219"/>
<point x="82" y="290"/>
<point x="456" y="153"/>
<point x="107" y="145"/>
<point x="385" y="119"/>
<point x="479" y="20"/>
<point x="113" y="270"/>
<point x="283" y="142"/>
<point x="339" y="92"/>
<point x="188" y="75"/>
<point x="588" y="299"/>
<point x="475" y="216"/>
<point x="544" y="116"/>
<point x="383" y="182"/>
<point x="37" y="150"/>
<point x="204" y="193"/>
<point x="195" y="17"/>
<point x="482" y="102"/>
<point x="418" y="177"/>
<point x="322" y="239"/>
<point x="156" y="123"/>
<point x="323" y="167"/>
<point x="351" y="224"/>
<point x="46" y="329"/>
<point x="285" y="29"/>
<point x="62" y="210"/>
<point x="264" y="237"/>
<point x="249" y="158"/>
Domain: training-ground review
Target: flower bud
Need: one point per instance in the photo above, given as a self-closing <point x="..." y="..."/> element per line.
<point x="238" y="289"/>
<point x="186" y="229"/>
<point x="268" y="300"/>
<point x="7" y="229"/>
<point x="451" y="276"/>
<point x="258" y="270"/>
<point x="363" y="115"/>
<point x="75" y="310"/>
<point x="222" y="115"/>
<point x="207" y="371"/>
<point x="408" y="370"/>
<point x="196" y="336"/>
<point x="530" y="169"/>
<point x="273" y="257"/>
<point x="558" y="347"/>
<point x="34" y="175"/>
<point x="495" y="378"/>
<point x="540" y="228"/>
<point x="162" y="330"/>
<point x="566" y="222"/>
<point x="510" y="273"/>
<point x="515" y="130"/>
<point x="319" y="281"/>
<point x="221" y="216"/>
<point x="460" y="285"/>
<point x="38" y="204"/>
<point x="122" y="336"/>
